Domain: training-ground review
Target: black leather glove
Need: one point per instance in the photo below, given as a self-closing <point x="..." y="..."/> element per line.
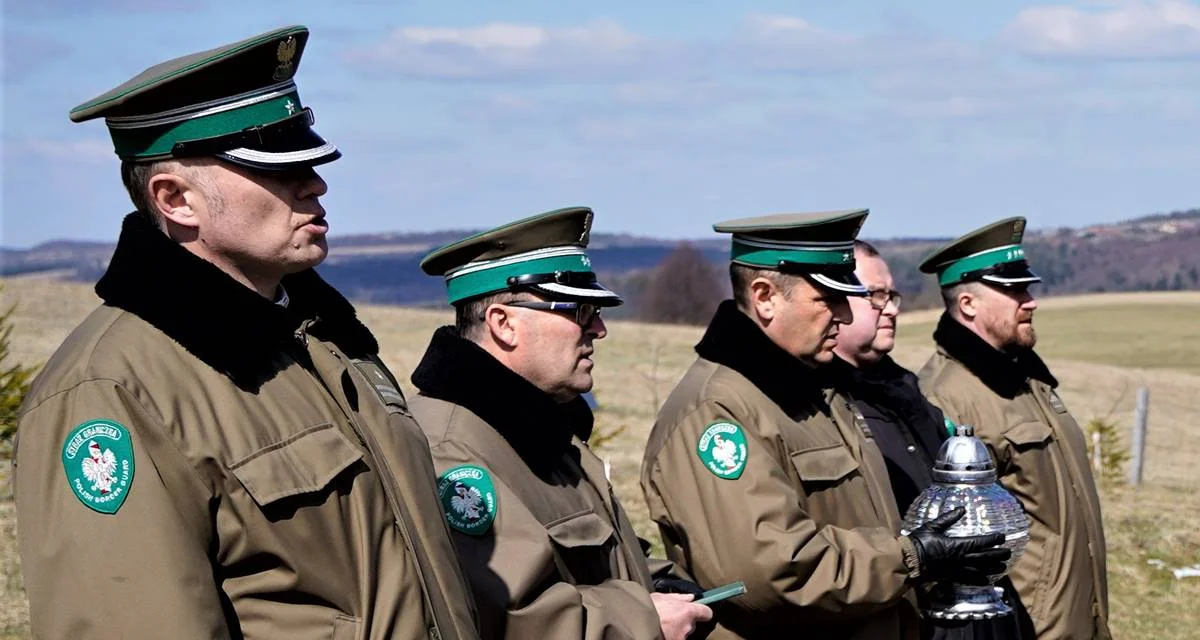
<point x="966" y="560"/>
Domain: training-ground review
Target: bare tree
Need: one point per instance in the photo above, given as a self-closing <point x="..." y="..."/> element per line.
<point x="684" y="289"/>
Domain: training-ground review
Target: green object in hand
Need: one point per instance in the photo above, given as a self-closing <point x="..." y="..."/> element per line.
<point x="720" y="593"/>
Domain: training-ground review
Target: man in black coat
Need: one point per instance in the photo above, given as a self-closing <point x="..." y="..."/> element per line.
<point x="908" y="429"/>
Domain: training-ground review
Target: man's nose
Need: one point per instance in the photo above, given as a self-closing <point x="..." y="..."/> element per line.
<point x="311" y="184"/>
<point x="842" y="313"/>
<point x="597" y="329"/>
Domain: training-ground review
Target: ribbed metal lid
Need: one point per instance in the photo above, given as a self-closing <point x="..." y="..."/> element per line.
<point x="964" y="459"/>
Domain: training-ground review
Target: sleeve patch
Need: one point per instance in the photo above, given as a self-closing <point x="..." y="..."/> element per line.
<point x="98" y="460"/>
<point x="468" y="499"/>
<point x="722" y="449"/>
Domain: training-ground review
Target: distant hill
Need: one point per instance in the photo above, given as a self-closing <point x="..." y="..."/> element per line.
<point x="1157" y="252"/>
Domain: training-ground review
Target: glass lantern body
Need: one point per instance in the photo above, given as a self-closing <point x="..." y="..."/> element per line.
<point x="965" y="476"/>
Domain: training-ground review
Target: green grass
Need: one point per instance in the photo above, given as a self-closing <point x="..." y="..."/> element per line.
<point x="1102" y="352"/>
<point x="1160" y="336"/>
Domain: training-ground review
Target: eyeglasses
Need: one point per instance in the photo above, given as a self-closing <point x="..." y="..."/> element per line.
<point x="879" y="298"/>
<point x="585" y="312"/>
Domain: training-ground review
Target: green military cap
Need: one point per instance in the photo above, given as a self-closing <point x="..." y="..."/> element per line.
<point x="819" y="245"/>
<point x="543" y="253"/>
<point x="992" y="254"/>
<point x="237" y="102"/>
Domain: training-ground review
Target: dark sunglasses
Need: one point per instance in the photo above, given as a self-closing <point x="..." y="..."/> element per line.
<point x="879" y="298"/>
<point x="585" y="312"/>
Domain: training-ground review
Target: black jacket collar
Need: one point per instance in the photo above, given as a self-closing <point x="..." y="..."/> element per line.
<point x="733" y="340"/>
<point x="893" y="391"/>
<point x="1005" y="372"/>
<point x="222" y="322"/>
<point x="539" y="429"/>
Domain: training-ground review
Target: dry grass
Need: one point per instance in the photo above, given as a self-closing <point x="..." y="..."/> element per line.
<point x="1102" y="348"/>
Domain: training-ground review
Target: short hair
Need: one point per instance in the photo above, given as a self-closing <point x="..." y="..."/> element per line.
<point x="950" y="295"/>
<point x="469" y="313"/>
<point x="866" y="249"/>
<point x="136" y="178"/>
<point x="740" y="277"/>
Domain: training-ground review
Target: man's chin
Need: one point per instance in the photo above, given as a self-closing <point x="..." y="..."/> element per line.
<point x="582" y="383"/>
<point x="824" y="356"/>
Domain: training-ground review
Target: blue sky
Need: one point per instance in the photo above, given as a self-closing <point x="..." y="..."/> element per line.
<point x="665" y="117"/>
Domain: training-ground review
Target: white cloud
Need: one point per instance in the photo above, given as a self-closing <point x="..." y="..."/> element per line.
<point x="605" y="51"/>
<point x="791" y="31"/>
<point x="1129" y="29"/>
<point x="503" y="50"/>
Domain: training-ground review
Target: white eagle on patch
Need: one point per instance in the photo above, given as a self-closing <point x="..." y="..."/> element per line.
<point x="468" y="503"/>
<point x="725" y="452"/>
<point x="100" y="468"/>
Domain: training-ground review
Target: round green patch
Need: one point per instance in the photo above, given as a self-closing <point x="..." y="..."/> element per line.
<point x="98" y="460"/>
<point x="722" y="449"/>
<point x="468" y="499"/>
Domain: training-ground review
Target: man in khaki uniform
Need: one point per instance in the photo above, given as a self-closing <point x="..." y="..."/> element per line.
<point x="547" y="548"/>
<point x="756" y="471"/>
<point x="217" y="451"/>
<point x="985" y="373"/>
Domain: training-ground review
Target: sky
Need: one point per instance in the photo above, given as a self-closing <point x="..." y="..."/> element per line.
<point x="938" y="115"/>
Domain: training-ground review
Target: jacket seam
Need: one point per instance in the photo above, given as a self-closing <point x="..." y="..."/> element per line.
<point x="158" y="421"/>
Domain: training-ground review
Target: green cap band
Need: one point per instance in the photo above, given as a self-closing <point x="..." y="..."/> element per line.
<point x="481" y="278"/>
<point x="148" y="137"/>
<point x="769" y="254"/>
<point x="954" y="272"/>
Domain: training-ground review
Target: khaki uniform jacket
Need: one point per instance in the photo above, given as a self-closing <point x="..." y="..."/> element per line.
<point x="1041" y="458"/>
<point x="273" y="491"/>
<point x="560" y="559"/>
<point x="810" y="523"/>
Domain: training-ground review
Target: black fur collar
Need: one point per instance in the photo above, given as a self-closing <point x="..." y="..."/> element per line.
<point x="1005" y="372"/>
<point x="539" y="429"/>
<point x="733" y="340"/>
<point x="217" y="319"/>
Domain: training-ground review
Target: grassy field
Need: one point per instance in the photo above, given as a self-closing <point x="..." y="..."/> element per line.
<point x="1102" y="348"/>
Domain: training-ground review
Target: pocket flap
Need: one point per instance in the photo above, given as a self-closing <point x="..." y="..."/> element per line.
<point x="303" y="463"/>
<point x="825" y="464"/>
<point x="585" y="529"/>
<point x="1028" y="433"/>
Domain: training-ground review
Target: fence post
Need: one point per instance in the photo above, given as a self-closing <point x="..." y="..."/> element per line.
<point x="1139" y="436"/>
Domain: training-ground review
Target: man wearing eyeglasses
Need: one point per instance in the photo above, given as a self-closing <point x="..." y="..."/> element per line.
<point x="547" y="547"/>
<point x="985" y="373"/>
<point x="799" y="507"/>
<point x="907" y="428"/>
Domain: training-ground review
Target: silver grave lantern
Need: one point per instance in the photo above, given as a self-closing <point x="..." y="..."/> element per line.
<point x="965" y="476"/>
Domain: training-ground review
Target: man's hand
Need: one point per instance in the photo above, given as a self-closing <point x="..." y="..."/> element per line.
<point x="969" y="559"/>
<point x="677" y="614"/>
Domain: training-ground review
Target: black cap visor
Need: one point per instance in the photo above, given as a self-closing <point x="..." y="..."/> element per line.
<point x="576" y="286"/>
<point x="278" y="146"/>
<point x="1008" y="274"/>
<point x="840" y="278"/>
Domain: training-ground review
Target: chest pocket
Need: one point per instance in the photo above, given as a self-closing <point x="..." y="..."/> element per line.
<point x="1029" y="470"/>
<point x="305" y="463"/>
<point x="824" y="467"/>
<point x="1029" y="435"/>
<point x="583" y="547"/>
